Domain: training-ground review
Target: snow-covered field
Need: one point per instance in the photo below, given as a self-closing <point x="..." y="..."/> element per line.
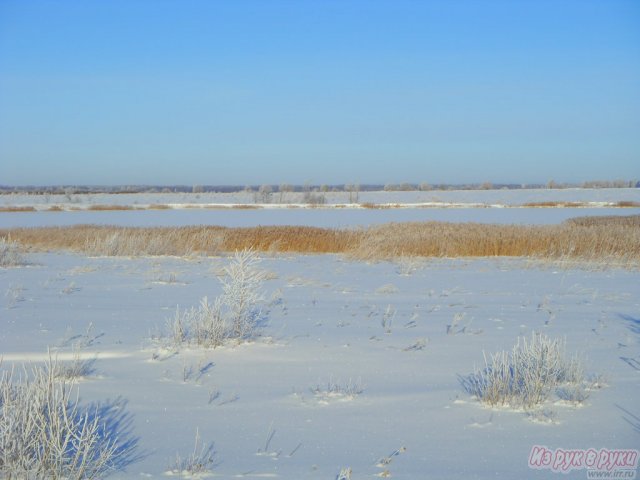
<point x="356" y="361"/>
<point x="356" y="365"/>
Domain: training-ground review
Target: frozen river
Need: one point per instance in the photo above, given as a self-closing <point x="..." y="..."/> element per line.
<point x="331" y="217"/>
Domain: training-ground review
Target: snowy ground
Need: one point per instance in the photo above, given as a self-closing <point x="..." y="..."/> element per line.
<point x="325" y="325"/>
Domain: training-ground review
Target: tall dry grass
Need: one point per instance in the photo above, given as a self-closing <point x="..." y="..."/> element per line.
<point x="606" y="220"/>
<point x="127" y="241"/>
<point x="436" y="239"/>
<point x="592" y="238"/>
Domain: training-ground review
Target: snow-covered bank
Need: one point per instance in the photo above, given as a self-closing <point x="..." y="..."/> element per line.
<point x="426" y="199"/>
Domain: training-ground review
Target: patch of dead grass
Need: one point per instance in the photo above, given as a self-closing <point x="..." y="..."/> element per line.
<point x="244" y="206"/>
<point x="110" y="207"/>
<point x="17" y="209"/>
<point x="553" y="204"/>
<point x="379" y="206"/>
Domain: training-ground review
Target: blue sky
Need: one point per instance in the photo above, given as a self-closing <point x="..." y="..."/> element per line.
<point x="326" y="91"/>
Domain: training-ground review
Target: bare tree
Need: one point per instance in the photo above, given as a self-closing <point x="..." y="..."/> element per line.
<point x="282" y="189"/>
<point x="354" y="191"/>
<point x="265" y="192"/>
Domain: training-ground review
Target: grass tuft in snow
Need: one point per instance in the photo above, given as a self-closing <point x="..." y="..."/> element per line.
<point x="572" y="393"/>
<point x="75" y="369"/>
<point x="10" y="253"/>
<point x="454" y="327"/>
<point x="198" y="463"/>
<point x="543" y="416"/>
<point x="387" y="318"/>
<point x="525" y="376"/>
<point x="14" y="295"/>
<point x="337" y="391"/>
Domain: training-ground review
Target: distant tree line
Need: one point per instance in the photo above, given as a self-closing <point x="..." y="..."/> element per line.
<point x="267" y="192"/>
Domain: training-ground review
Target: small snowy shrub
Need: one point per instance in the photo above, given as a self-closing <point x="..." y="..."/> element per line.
<point x="525" y="376"/>
<point x="46" y="433"/>
<point x="232" y="315"/>
<point x="345" y="474"/>
<point x="10" y="255"/>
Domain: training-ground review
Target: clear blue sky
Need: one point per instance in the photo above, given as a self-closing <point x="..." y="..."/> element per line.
<point x="326" y="91"/>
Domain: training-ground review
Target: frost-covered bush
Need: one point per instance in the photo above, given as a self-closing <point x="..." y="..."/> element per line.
<point x="204" y="326"/>
<point x="10" y="254"/>
<point x="242" y="292"/>
<point x="525" y="376"/>
<point x="46" y="433"/>
<point x="233" y="315"/>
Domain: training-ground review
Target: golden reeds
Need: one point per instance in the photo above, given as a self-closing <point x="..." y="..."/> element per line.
<point x="627" y="204"/>
<point x="592" y="238"/>
<point x="605" y="220"/>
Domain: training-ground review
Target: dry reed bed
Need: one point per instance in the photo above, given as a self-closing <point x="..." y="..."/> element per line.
<point x="17" y="209"/>
<point x="555" y="204"/>
<point x="589" y="238"/>
<point x="625" y="220"/>
<point x="107" y="208"/>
